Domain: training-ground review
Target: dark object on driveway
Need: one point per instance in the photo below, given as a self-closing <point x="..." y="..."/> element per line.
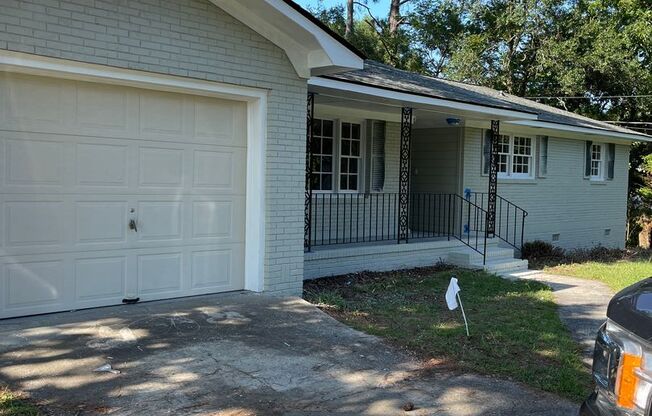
<point x="622" y="360"/>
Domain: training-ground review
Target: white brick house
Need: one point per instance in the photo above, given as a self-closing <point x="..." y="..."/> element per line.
<point x="157" y="149"/>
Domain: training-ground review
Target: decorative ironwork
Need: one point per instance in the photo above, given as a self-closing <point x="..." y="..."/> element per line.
<point x="493" y="179"/>
<point x="372" y="218"/>
<point x="404" y="175"/>
<point x="307" y="237"/>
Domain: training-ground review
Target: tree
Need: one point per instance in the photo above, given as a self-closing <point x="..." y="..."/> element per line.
<point x="348" y="31"/>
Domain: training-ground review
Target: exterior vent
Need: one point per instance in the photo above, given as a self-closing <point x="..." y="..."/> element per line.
<point x="555" y="237"/>
<point x="607" y="231"/>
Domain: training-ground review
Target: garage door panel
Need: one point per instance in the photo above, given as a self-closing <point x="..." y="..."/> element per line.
<point x="102" y="106"/>
<point x="34" y="162"/>
<point x="211" y="269"/>
<point x="160" y="220"/>
<point x="100" y="279"/>
<point x="161" y="114"/>
<point x="29" y="223"/>
<point x="160" y="167"/>
<point x="218" y="219"/>
<point x="159" y="274"/>
<point x="33" y="102"/>
<point x="34" y="284"/>
<point x="101" y="164"/>
<point x="222" y="122"/>
<point x="101" y="222"/>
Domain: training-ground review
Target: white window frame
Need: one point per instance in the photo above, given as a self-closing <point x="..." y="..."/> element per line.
<point x="359" y="158"/>
<point x="334" y="156"/>
<point x="510" y="174"/>
<point x="337" y="156"/>
<point x="601" y="162"/>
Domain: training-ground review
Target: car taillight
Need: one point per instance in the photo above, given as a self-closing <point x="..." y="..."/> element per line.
<point x="623" y="366"/>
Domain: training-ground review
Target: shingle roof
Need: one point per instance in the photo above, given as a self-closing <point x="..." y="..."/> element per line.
<point x="387" y="77"/>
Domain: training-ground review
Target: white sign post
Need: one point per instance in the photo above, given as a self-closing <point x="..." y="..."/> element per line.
<point x="452" y="297"/>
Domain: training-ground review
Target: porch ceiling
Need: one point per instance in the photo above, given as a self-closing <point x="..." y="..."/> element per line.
<point x="335" y="93"/>
<point x="334" y="104"/>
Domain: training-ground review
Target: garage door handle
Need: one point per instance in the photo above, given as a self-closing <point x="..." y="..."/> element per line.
<point x="132" y="225"/>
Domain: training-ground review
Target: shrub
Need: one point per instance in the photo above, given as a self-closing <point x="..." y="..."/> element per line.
<point x="541" y="249"/>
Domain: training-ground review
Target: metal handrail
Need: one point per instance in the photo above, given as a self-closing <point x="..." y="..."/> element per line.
<point x="349" y="218"/>
<point x="510" y="218"/>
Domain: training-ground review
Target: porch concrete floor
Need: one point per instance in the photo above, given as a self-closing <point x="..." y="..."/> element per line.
<point x="236" y="354"/>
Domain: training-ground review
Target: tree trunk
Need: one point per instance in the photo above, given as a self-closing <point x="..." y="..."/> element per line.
<point x="394" y="16"/>
<point x="349" y="19"/>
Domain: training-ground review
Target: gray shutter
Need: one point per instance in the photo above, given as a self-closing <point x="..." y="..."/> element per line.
<point x="378" y="156"/>
<point x="542" y="166"/>
<point x="587" y="159"/>
<point x="486" y="152"/>
<point x="611" y="159"/>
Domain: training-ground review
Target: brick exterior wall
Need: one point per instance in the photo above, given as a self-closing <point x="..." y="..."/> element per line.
<point x="189" y="38"/>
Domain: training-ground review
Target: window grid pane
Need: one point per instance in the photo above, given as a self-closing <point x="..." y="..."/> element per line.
<point x="522" y="159"/>
<point x="350" y="142"/>
<point x="596" y="160"/>
<point x="322" y="155"/>
<point x="503" y="154"/>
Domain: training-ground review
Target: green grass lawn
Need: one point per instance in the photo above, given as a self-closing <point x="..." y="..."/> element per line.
<point x="515" y="330"/>
<point x="617" y="274"/>
<point x="12" y="405"/>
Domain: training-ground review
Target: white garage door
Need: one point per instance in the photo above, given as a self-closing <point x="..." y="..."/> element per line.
<point x="80" y="161"/>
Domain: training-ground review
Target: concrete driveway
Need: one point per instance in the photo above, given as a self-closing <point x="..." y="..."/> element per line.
<point x="238" y="354"/>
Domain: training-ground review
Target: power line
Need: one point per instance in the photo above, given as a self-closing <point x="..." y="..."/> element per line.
<point x="583" y="97"/>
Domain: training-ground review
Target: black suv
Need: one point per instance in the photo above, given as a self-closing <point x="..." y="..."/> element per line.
<point x="622" y="360"/>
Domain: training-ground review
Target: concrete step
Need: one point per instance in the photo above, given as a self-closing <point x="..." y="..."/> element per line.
<point x="500" y="266"/>
<point x="516" y="274"/>
<point x="466" y="256"/>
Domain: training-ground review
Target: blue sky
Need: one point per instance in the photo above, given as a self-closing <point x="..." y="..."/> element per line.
<point x="379" y="8"/>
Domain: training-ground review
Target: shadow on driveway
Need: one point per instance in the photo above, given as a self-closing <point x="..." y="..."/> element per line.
<point x="236" y="354"/>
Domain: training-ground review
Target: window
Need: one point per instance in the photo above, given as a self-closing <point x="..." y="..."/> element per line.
<point x="336" y="160"/>
<point x="522" y="156"/>
<point x="503" y="155"/>
<point x="600" y="161"/>
<point x="515" y="156"/>
<point x="350" y="145"/>
<point x="322" y="155"/>
<point x="597" y="155"/>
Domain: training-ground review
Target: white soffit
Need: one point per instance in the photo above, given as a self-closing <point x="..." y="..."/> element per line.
<point x="311" y="49"/>
<point x="582" y="132"/>
<point x="353" y="91"/>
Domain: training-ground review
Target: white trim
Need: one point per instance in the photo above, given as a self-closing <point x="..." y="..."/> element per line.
<point x="601" y="167"/>
<point x="256" y="100"/>
<point x="358" y="158"/>
<point x="411" y="99"/>
<point x="310" y="49"/>
<point x="510" y="175"/>
<point x="582" y="130"/>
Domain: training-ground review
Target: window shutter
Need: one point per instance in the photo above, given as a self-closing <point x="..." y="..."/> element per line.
<point x="611" y="159"/>
<point x="378" y="156"/>
<point x="542" y="166"/>
<point x="486" y="152"/>
<point x="587" y="159"/>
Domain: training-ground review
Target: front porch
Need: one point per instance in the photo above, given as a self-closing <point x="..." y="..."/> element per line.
<point x="334" y="260"/>
<point x="385" y="190"/>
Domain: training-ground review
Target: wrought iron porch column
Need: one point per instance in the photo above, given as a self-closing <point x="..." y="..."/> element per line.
<point x="307" y="228"/>
<point x="493" y="179"/>
<point x="404" y="176"/>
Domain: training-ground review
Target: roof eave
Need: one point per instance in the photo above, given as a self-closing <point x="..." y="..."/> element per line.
<point x="318" y="84"/>
<point x="591" y="131"/>
<point x="311" y="47"/>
